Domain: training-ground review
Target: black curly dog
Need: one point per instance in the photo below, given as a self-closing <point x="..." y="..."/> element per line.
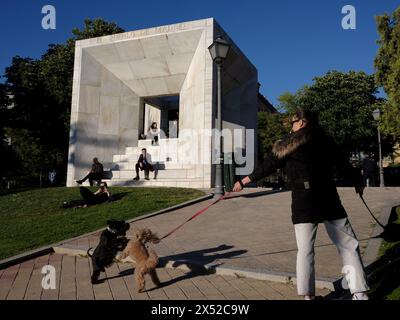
<point x="112" y="240"/>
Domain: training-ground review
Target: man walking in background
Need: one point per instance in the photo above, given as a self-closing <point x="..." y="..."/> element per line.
<point x="368" y="171"/>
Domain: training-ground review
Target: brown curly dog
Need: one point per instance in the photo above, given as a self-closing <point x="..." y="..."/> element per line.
<point x="146" y="259"/>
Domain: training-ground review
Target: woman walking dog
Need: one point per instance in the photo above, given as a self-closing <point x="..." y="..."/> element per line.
<point x="315" y="199"/>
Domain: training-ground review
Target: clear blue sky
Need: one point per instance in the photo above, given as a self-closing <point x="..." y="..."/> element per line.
<point x="289" y="41"/>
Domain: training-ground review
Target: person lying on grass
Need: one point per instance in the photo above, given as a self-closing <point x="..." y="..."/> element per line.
<point x="91" y="198"/>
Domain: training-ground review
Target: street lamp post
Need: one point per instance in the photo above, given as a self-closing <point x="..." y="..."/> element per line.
<point x="219" y="51"/>
<point x="377" y="114"/>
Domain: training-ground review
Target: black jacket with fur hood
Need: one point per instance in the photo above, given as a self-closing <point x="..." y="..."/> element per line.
<point x="309" y="158"/>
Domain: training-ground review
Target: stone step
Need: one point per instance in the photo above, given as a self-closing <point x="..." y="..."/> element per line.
<point x="144" y="143"/>
<point x="154" y="157"/>
<point x="147" y="142"/>
<point x="130" y="165"/>
<point x="161" y="174"/>
<point x="138" y="150"/>
<point x="152" y="150"/>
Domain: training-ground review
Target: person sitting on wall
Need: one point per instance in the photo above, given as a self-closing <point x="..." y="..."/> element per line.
<point x="95" y="174"/>
<point x="143" y="164"/>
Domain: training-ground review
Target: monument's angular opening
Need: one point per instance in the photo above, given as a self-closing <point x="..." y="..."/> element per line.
<point x="164" y="112"/>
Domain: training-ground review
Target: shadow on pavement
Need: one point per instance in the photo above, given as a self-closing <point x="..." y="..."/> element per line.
<point x="392" y="229"/>
<point x="293" y="250"/>
<point x="203" y="256"/>
<point x="194" y="260"/>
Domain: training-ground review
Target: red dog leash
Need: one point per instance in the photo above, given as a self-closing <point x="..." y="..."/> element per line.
<point x="195" y="215"/>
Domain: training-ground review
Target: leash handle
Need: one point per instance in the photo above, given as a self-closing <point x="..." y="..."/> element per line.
<point x="194" y="216"/>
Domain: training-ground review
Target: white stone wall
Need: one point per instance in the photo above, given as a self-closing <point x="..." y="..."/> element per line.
<point x="105" y="120"/>
<point x="151" y="114"/>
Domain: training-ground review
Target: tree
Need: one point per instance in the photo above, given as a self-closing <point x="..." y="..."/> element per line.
<point x="96" y="28"/>
<point x="8" y="157"/>
<point x="29" y="152"/>
<point x="271" y="128"/>
<point x="387" y="65"/>
<point x="344" y="102"/>
<point x="5" y="103"/>
<point x="41" y="91"/>
<point x="287" y="102"/>
<point x="32" y="122"/>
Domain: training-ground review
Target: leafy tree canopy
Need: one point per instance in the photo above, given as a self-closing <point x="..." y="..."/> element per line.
<point x="271" y="127"/>
<point x="387" y="65"/>
<point x="41" y="91"/>
<point x="344" y="102"/>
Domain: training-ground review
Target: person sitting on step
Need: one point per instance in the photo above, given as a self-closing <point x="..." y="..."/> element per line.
<point x="143" y="164"/>
<point x="153" y="133"/>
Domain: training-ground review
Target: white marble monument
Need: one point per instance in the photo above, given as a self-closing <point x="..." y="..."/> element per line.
<point x="123" y="82"/>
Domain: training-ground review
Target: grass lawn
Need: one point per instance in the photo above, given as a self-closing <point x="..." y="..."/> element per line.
<point x="33" y="218"/>
<point x="385" y="276"/>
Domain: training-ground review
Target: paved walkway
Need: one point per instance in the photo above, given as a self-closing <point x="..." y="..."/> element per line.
<point x="23" y="281"/>
<point x="251" y="231"/>
<point x="255" y="232"/>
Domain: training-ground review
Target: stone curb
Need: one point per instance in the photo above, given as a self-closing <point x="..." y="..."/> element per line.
<point x="25" y="256"/>
<point x="270" y="275"/>
<point x="50" y="248"/>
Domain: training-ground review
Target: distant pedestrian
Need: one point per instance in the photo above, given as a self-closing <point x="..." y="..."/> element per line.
<point x="309" y="157"/>
<point x="95" y="174"/>
<point x="368" y="171"/>
<point x="52" y="176"/>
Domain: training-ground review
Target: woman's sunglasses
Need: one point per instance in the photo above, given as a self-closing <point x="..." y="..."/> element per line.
<point x="294" y="121"/>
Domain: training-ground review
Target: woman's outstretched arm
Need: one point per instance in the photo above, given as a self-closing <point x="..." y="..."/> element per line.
<point x="269" y="166"/>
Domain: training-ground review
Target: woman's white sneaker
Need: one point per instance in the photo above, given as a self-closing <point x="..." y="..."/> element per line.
<point x="360" y="296"/>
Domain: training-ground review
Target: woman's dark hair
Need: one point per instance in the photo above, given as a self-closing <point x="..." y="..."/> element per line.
<point x="153" y="125"/>
<point x="309" y="116"/>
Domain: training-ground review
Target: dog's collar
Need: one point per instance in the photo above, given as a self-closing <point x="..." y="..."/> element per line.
<point x="111" y="230"/>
